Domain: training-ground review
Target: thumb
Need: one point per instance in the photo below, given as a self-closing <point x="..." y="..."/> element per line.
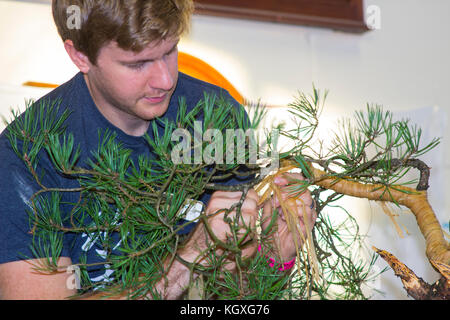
<point x="269" y="217"/>
<point x="280" y="180"/>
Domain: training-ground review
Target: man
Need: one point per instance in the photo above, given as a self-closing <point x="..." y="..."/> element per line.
<point x="126" y="52"/>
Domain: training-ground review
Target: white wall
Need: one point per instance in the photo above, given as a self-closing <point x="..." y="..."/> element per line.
<point x="404" y="66"/>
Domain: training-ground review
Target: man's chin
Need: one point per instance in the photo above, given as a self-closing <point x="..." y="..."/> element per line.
<point x="152" y="111"/>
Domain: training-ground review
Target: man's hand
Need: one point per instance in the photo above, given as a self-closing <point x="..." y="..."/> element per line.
<point x="284" y="244"/>
<point x="216" y="232"/>
<point x="215" y="228"/>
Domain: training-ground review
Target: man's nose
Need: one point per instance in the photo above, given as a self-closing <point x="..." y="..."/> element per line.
<point x="160" y="77"/>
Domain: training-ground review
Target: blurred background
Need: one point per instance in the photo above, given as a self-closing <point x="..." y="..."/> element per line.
<point x="401" y="60"/>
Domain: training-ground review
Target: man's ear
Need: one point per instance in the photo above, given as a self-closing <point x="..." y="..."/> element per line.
<point x="78" y="58"/>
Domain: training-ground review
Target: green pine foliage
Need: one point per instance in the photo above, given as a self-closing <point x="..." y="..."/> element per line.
<point x="140" y="201"/>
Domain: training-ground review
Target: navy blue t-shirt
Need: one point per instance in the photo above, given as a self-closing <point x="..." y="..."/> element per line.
<point x="17" y="184"/>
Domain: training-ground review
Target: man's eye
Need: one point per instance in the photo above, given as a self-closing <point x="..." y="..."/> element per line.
<point x="136" y="66"/>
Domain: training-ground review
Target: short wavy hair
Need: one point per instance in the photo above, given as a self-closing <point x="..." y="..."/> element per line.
<point x="133" y="24"/>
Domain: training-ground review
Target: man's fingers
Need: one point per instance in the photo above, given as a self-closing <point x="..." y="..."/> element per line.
<point x="221" y="202"/>
<point x="287" y="178"/>
<point x="267" y="214"/>
<point x="236" y="194"/>
<point x="227" y="194"/>
<point x="226" y="199"/>
<point x="285" y="182"/>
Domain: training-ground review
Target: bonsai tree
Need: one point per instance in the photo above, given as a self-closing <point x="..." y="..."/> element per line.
<point x="147" y="200"/>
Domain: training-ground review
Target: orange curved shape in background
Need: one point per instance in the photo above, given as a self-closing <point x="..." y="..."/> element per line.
<point x="199" y="69"/>
<point x="188" y="64"/>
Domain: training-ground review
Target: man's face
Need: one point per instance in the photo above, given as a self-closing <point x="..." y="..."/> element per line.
<point x="131" y="88"/>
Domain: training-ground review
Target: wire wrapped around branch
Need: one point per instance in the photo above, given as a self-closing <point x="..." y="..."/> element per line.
<point x="437" y="248"/>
